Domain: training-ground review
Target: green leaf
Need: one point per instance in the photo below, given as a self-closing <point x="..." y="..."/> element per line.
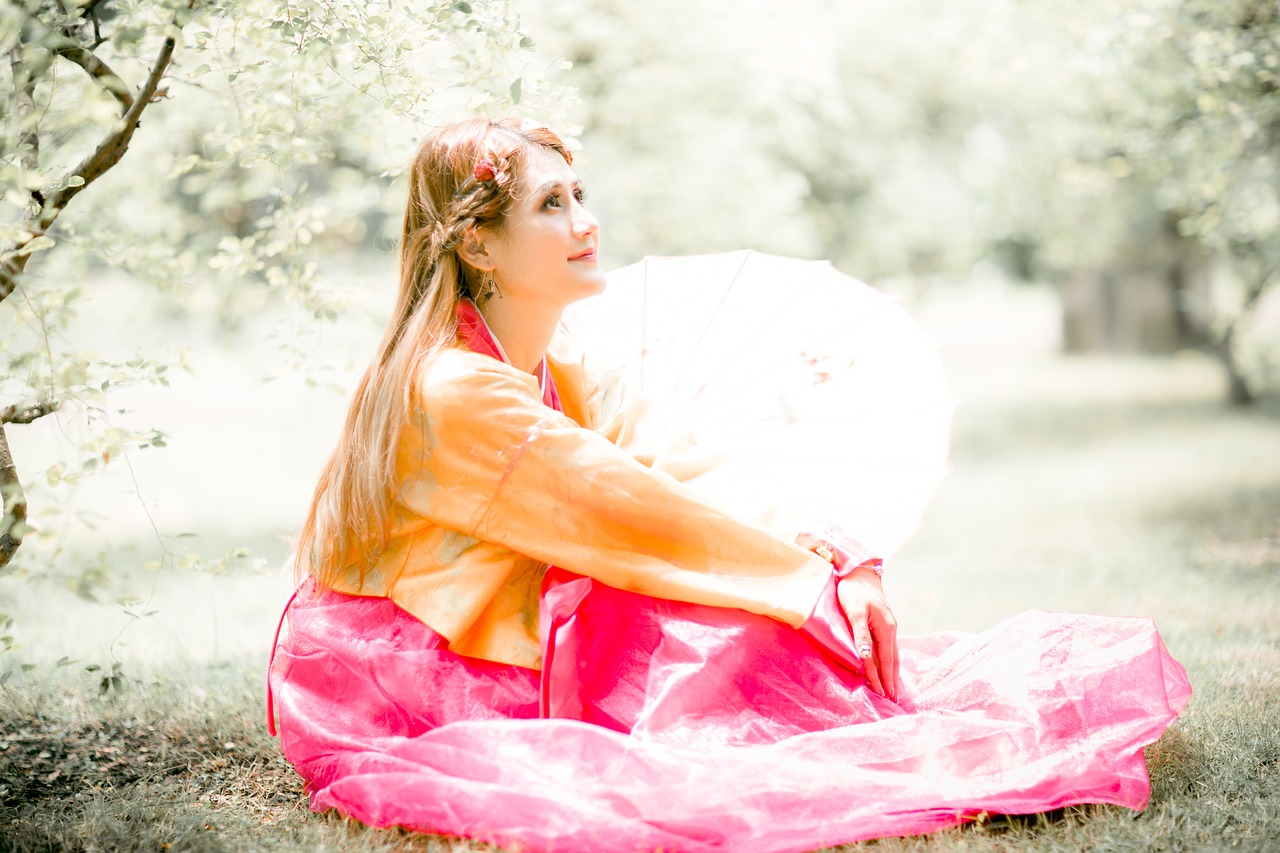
<point x="75" y="181"/>
<point x="464" y="8"/>
<point x="515" y="91"/>
<point x="36" y="244"/>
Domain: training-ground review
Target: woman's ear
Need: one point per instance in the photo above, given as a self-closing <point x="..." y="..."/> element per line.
<point x="472" y="250"/>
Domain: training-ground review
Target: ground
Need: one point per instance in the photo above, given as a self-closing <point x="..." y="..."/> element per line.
<point x="1118" y="486"/>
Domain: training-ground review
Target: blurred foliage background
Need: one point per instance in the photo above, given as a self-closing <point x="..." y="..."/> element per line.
<point x="1123" y="152"/>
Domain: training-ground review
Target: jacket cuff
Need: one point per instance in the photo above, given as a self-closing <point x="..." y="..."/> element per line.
<point x="841" y="550"/>
<point x="828" y="627"/>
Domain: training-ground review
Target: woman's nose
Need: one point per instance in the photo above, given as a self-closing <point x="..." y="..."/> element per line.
<point x="584" y="221"/>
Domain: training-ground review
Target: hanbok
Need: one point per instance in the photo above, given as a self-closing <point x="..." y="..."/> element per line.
<point x="686" y="721"/>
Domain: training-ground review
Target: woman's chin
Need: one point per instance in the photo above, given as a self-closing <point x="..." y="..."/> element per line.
<point x="591" y="286"/>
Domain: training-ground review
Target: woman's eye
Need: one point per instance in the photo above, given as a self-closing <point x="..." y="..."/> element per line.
<point x="552" y="201"/>
<point x="581" y="195"/>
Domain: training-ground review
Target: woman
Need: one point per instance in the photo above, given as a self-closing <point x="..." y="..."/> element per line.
<point x="738" y="691"/>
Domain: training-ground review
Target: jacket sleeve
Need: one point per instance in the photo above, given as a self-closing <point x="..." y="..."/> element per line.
<point x="483" y="456"/>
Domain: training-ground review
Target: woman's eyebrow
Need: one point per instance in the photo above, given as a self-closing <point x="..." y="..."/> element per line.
<point x="555" y="185"/>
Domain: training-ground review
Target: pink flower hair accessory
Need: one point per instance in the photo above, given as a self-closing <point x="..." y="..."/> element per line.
<point x="484" y="170"/>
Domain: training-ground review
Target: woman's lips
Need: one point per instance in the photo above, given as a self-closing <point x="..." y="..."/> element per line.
<point x="588" y="255"/>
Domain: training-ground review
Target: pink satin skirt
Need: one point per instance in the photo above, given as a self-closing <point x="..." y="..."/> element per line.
<point x="656" y="724"/>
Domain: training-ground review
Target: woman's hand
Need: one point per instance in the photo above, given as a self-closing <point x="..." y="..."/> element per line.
<point x="875" y="631"/>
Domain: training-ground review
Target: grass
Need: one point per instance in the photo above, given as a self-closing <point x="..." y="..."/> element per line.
<point x="162" y="765"/>
<point x="1083" y="485"/>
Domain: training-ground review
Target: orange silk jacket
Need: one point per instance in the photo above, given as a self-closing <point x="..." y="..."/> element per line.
<point x="494" y="486"/>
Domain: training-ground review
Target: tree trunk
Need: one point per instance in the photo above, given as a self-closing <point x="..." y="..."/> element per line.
<point x="1238" y="391"/>
<point x="14" y="524"/>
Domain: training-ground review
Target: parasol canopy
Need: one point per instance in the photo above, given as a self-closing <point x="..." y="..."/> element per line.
<point x="814" y="396"/>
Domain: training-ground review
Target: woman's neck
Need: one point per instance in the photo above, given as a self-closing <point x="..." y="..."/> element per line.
<point x="523" y="331"/>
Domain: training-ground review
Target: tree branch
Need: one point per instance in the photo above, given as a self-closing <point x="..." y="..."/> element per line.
<point x="99" y="71"/>
<point x="26" y="106"/>
<point x="25" y="413"/>
<point x="62" y="43"/>
<point x="107" y="153"/>
<point x="112" y="148"/>
<point x="11" y="267"/>
<point x="91" y="10"/>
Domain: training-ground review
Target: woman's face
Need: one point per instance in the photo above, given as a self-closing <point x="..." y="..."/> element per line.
<point x="545" y="250"/>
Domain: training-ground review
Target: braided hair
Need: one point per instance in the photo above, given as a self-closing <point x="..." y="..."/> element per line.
<point x="464" y="176"/>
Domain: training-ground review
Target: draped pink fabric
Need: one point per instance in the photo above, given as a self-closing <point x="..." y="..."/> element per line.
<point x="685" y="727"/>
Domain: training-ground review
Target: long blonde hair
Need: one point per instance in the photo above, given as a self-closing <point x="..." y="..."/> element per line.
<point x="349" y="521"/>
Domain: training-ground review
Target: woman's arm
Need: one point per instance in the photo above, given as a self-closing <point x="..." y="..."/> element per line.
<point x="485" y="457"/>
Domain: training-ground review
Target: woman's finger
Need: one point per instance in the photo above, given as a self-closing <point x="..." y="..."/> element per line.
<point x="862" y="641"/>
<point x="887" y="652"/>
<point x="895" y="665"/>
<point x="886" y="646"/>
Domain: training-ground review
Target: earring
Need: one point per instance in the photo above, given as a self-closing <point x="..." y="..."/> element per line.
<point x="489" y="288"/>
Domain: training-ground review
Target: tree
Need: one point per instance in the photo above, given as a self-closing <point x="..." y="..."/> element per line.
<point x="257" y="113"/>
<point x="1195" y="114"/>
<point x="46" y="33"/>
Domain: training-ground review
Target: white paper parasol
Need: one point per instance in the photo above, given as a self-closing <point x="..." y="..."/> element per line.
<point x="821" y="400"/>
